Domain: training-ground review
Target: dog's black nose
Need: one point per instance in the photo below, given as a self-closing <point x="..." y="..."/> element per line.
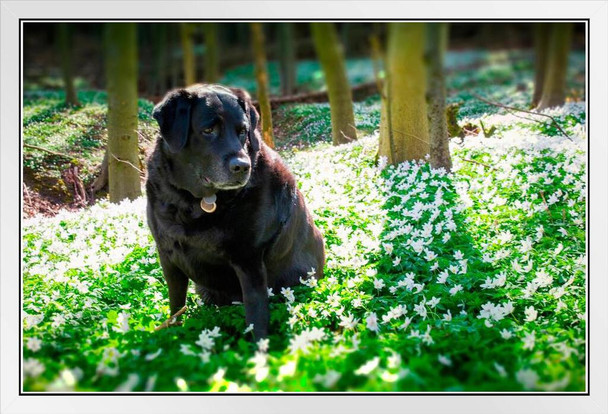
<point x="239" y="165"/>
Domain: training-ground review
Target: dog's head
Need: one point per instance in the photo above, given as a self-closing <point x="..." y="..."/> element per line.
<point x="210" y="137"/>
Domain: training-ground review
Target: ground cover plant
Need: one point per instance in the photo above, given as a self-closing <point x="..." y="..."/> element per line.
<point x="468" y="281"/>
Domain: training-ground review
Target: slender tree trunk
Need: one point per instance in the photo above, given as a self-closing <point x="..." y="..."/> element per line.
<point x="161" y="60"/>
<point x="287" y="53"/>
<point x="65" y="54"/>
<point x="554" y="86"/>
<point x="212" y="61"/>
<point x="331" y="56"/>
<point x="174" y="41"/>
<point x="188" y="52"/>
<point x="437" y="39"/>
<point x="121" y="77"/>
<point x="541" y="46"/>
<point x="261" y="75"/>
<point x="404" y="134"/>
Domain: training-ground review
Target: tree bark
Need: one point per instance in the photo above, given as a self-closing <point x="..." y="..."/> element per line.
<point x="437" y="39"/>
<point x="554" y="87"/>
<point x="261" y="75"/>
<point x="212" y="61"/>
<point x="331" y="56"/>
<point x="65" y="54"/>
<point x="121" y="73"/>
<point x="287" y="55"/>
<point x="541" y="46"/>
<point x="188" y="54"/>
<point x="404" y="131"/>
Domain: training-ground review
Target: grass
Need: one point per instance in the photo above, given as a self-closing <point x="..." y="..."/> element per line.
<point x="468" y="281"/>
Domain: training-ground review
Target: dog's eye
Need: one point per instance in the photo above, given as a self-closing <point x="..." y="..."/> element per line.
<point x="208" y="130"/>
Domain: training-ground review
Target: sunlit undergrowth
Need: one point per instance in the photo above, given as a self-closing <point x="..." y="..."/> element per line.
<point x="73" y="134"/>
<point x="469" y="281"/>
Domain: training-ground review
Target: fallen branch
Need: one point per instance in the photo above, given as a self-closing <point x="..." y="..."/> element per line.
<point x="510" y="108"/>
<point x="359" y="93"/>
<point x="59" y="154"/>
<point x="479" y="163"/>
<point x="172" y="319"/>
<point x="127" y="162"/>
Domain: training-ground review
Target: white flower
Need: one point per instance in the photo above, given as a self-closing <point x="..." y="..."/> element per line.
<point x="444" y="360"/>
<point x="123" y="322"/>
<point x="205" y="340"/>
<point x="348" y="322"/>
<point x="378" y="283"/>
<point x="527" y="377"/>
<point x="34" y="344"/>
<point x="263" y="344"/>
<point x="455" y="290"/>
<point x="329" y="379"/>
<point x="543" y="279"/>
<point x="152" y="356"/>
<point x="531" y="314"/>
<point x="442" y="277"/>
<point x="32" y="367"/>
<point x="506" y="334"/>
<point x="288" y="293"/>
<point x="372" y="322"/>
<point x="368" y="367"/>
<point x="529" y="340"/>
<point x="500" y="369"/>
<point x="447" y="316"/>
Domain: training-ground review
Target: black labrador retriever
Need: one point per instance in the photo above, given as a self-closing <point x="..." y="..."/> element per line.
<point x="224" y="210"/>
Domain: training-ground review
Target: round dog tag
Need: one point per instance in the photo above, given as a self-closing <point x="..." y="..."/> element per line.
<point x="208" y="203"/>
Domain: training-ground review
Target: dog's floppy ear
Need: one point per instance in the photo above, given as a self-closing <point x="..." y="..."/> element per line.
<point x="173" y="117"/>
<point x="247" y="105"/>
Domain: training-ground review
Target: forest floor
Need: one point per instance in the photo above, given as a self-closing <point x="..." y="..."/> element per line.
<point x="469" y="281"/>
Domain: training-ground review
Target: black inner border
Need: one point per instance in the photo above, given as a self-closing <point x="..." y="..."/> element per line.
<point x="345" y="393"/>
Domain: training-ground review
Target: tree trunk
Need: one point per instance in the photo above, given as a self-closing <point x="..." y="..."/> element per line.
<point x="554" y="87"/>
<point x="212" y="61"/>
<point x="331" y="56"/>
<point x="437" y="39"/>
<point x="161" y="60"/>
<point x="188" y="54"/>
<point x="541" y="46"/>
<point x="261" y="75"/>
<point x="404" y="132"/>
<point x="287" y="54"/>
<point x="121" y="74"/>
<point x="65" y="54"/>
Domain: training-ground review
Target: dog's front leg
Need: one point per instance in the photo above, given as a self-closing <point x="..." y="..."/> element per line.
<point x="255" y="296"/>
<point x="177" y="282"/>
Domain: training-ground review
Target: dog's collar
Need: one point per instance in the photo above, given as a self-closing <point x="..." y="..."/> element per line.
<point x="208" y="203"/>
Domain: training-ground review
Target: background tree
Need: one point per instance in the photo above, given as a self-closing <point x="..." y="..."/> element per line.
<point x="121" y="78"/>
<point x="436" y="45"/>
<point x="554" y="84"/>
<point x="261" y="75"/>
<point x="404" y="131"/>
<point x="287" y="57"/>
<point x="65" y="54"/>
<point x="186" y="34"/>
<point x="331" y="56"/>
<point x="161" y="57"/>
<point x="212" y="60"/>
<point x="541" y="47"/>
